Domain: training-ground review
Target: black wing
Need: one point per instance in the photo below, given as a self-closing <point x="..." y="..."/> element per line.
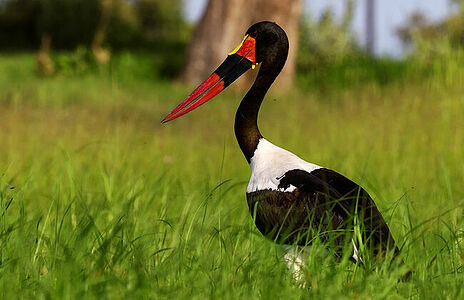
<point x="342" y="199"/>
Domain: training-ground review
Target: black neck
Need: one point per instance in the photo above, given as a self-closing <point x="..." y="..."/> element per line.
<point x="246" y="118"/>
<point x="271" y="51"/>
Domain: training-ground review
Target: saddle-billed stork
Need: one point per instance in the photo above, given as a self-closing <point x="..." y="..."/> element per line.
<point x="291" y="200"/>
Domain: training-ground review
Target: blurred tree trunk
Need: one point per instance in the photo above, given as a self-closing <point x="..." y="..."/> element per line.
<point x="102" y="55"/>
<point x="44" y="63"/>
<point x="222" y="27"/>
<point x="370" y="27"/>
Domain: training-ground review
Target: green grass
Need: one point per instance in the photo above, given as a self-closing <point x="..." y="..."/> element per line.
<point x="99" y="200"/>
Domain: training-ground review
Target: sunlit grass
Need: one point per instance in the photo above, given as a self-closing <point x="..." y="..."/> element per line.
<point x="98" y="199"/>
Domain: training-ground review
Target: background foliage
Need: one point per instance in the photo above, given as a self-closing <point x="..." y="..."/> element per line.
<point x="145" y="26"/>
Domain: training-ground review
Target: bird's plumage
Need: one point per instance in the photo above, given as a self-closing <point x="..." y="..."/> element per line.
<point x="297" y="202"/>
<point x="269" y="163"/>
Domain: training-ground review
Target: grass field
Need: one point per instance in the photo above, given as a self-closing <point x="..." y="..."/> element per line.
<point x="99" y="200"/>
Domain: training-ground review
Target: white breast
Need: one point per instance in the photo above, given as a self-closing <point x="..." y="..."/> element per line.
<point x="269" y="163"/>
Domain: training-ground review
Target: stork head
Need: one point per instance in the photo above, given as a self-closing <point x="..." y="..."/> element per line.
<point x="264" y="42"/>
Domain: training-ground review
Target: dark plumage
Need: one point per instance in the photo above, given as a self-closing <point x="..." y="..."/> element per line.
<point x="325" y="204"/>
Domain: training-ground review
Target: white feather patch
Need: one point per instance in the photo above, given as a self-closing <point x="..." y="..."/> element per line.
<point x="269" y="163"/>
<point x="355" y="255"/>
